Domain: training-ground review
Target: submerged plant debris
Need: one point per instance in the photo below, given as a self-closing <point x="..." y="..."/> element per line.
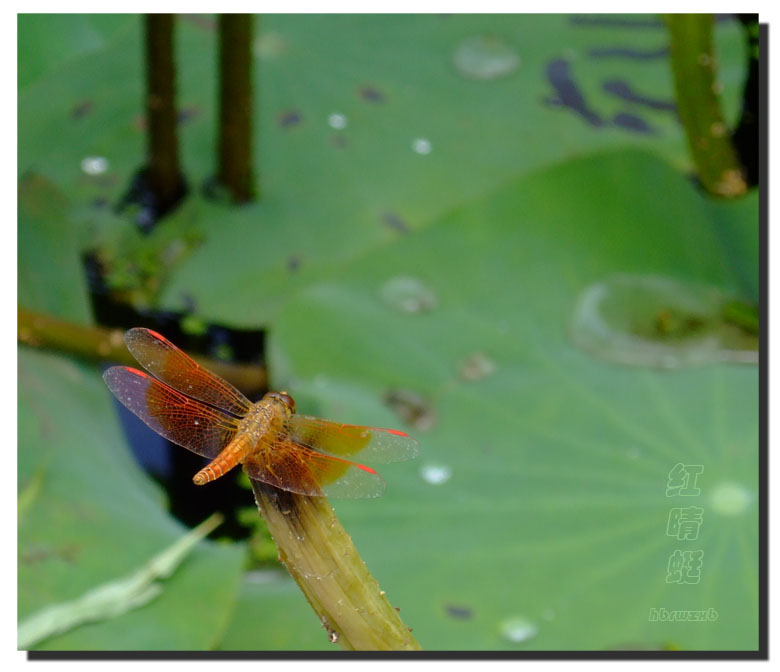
<point x="658" y="321"/>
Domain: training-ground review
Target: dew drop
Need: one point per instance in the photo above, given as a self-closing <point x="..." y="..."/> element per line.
<point x="730" y="499"/>
<point x="421" y="146"/>
<point x="268" y="45"/>
<point x="337" y="121"/>
<point x="408" y="295"/>
<point x="485" y="57"/>
<point x="436" y="474"/>
<point x="518" y="629"/>
<point x="94" y="165"/>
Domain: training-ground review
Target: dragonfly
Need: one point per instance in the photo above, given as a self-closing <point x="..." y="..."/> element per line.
<point x="200" y="411"/>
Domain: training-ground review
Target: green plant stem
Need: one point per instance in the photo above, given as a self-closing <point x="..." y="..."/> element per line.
<point x="40" y="330"/>
<point x="234" y="171"/>
<point x="322" y="559"/>
<point x="743" y="315"/>
<point x="163" y="169"/>
<point x="694" y="67"/>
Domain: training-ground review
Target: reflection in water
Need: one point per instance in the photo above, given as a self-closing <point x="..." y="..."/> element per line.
<point x="567" y="93"/>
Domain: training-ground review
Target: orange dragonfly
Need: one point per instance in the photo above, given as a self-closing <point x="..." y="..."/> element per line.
<point x="200" y="411"/>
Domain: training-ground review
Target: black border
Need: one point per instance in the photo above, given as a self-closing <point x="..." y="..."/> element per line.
<point x="762" y="653"/>
<point x="763" y="346"/>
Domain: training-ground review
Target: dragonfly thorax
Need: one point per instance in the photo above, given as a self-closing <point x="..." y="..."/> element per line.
<point x="265" y="418"/>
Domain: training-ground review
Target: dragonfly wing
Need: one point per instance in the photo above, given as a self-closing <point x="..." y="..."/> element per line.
<point x="299" y="469"/>
<point x="373" y="443"/>
<point x="171" y="365"/>
<point x="198" y="427"/>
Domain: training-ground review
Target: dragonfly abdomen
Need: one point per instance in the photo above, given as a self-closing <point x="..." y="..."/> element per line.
<point x="232" y="454"/>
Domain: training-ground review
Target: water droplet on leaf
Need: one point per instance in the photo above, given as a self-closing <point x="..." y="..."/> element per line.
<point x="268" y="45"/>
<point x="421" y="146"/>
<point x="518" y="629"/>
<point x="485" y="57"/>
<point x="436" y="474"/>
<point x="408" y="295"/>
<point x="730" y="499"/>
<point x="337" y="121"/>
<point x="94" y="165"/>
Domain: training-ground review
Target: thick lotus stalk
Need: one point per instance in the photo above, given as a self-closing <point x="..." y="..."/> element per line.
<point x="322" y="559"/>
<point x="292" y="460"/>
<point x="235" y="106"/>
<point x="44" y="331"/>
<point x="694" y="68"/>
<point x="165" y="179"/>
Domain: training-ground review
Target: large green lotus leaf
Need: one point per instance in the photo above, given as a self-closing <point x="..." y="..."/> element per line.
<point x="88" y="516"/>
<point x="272" y="614"/>
<point x="51" y="278"/>
<point x="537" y="514"/>
<point x="324" y="202"/>
<point x="330" y="194"/>
<point x="47" y="42"/>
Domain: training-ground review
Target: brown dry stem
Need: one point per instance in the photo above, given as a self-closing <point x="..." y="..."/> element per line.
<point x="93" y="343"/>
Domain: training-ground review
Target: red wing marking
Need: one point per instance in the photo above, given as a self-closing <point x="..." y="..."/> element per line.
<point x="165" y="361"/>
<point x="296" y="468"/>
<point x="198" y="427"/>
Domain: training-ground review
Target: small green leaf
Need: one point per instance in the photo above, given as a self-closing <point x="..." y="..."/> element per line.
<point x="114" y="598"/>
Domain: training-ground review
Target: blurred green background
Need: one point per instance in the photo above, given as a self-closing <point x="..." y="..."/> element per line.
<point x="440" y="246"/>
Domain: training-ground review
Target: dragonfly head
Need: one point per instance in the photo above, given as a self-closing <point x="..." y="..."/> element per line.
<point x="285" y="399"/>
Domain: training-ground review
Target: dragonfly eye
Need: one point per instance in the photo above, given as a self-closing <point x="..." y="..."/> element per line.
<point x="285" y="398"/>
